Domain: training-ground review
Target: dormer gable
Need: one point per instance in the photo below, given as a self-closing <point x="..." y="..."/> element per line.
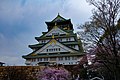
<point x="58" y="19"/>
<point x="54" y="47"/>
<point x="55" y="31"/>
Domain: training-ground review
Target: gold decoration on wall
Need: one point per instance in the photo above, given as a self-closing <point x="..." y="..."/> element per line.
<point x="53" y="37"/>
<point x="67" y="34"/>
<point x="53" y="41"/>
<point x="65" y="28"/>
<point x="55" y="26"/>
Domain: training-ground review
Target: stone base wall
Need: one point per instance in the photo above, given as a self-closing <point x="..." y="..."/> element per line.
<point x="19" y="72"/>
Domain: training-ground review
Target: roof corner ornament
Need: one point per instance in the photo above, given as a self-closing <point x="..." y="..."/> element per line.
<point x="58" y="13"/>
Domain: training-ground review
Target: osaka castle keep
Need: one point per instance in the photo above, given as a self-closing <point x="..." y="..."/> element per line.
<point x="59" y="45"/>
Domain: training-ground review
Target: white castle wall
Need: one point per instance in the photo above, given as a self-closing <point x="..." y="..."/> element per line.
<point x="70" y="61"/>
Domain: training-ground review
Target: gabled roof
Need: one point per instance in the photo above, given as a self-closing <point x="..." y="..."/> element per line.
<point x="56" y="29"/>
<point x="36" y="46"/>
<point x="72" y="51"/>
<point x="2" y="63"/>
<point x="40" y="45"/>
<point x="54" y="43"/>
<point x="67" y="33"/>
<point x="58" y="19"/>
<point x="68" y="21"/>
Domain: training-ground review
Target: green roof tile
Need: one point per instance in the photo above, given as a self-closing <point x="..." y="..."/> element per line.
<point x="54" y="55"/>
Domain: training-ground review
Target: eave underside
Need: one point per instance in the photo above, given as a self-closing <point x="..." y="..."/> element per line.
<point x="65" y="43"/>
<point x="55" y="36"/>
<point x="52" y="55"/>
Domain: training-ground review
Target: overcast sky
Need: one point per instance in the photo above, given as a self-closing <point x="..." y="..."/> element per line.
<point x="22" y="20"/>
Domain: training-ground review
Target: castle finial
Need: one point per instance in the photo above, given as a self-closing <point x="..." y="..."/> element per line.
<point x="58" y="13"/>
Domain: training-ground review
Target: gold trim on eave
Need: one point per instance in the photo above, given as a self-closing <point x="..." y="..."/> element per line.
<point x="53" y="41"/>
<point x="65" y="28"/>
<point x="67" y="34"/>
<point x="33" y="54"/>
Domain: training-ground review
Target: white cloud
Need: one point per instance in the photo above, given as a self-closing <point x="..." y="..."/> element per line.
<point x="9" y="60"/>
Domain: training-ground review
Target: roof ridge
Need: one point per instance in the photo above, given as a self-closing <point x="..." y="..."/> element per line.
<point x="58" y="17"/>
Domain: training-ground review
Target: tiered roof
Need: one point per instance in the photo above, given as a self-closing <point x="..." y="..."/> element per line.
<point x="59" y="20"/>
<point x="57" y="23"/>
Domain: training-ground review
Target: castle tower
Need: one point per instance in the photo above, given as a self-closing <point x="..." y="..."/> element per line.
<point x="59" y="45"/>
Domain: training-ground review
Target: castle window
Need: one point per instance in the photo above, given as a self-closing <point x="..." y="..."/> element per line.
<point x="51" y="49"/>
<point x="33" y="60"/>
<point x="69" y="39"/>
<point x="76" y="62"/>
<point x="47" y="50"/>
<point x="55" y="33"/>
<point x="43" y="41"/>
<point x="60" y="40"/>
<point x="74" y="58"/>
<point x="53" y="59"/>
<point x="59" y="49"/>
<point x="45" y="59"/>
<point x="67" y="58"/>
<point x="60" y="58"/>
<point x="39" y="59"/>
<point x="56" y="49"/>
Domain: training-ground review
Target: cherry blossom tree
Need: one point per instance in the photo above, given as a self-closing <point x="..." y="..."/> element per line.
<point x="54" y="73"/>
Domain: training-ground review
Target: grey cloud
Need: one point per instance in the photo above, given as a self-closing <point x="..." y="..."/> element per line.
<point x="22" y="20"/>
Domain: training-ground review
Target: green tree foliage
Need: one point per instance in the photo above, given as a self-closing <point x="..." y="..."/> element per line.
<point x="54" y="73"/>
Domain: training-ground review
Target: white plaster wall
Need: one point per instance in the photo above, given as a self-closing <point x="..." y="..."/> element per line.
<point x="66" y="62"/>
<point x="72" y="39"/>
<point x="62" y="49"/>
<point x="52" y="46"/>
<point x="68" y="39"/>
<point x="55" y="30"/>
<point x="76" y="47"/>
<point x="63" y="39"/>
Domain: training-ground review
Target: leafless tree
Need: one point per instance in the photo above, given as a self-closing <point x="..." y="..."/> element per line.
<point x="104" y="32"/>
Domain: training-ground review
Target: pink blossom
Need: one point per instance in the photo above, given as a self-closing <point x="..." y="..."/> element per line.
<point x="54" y="74"/>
